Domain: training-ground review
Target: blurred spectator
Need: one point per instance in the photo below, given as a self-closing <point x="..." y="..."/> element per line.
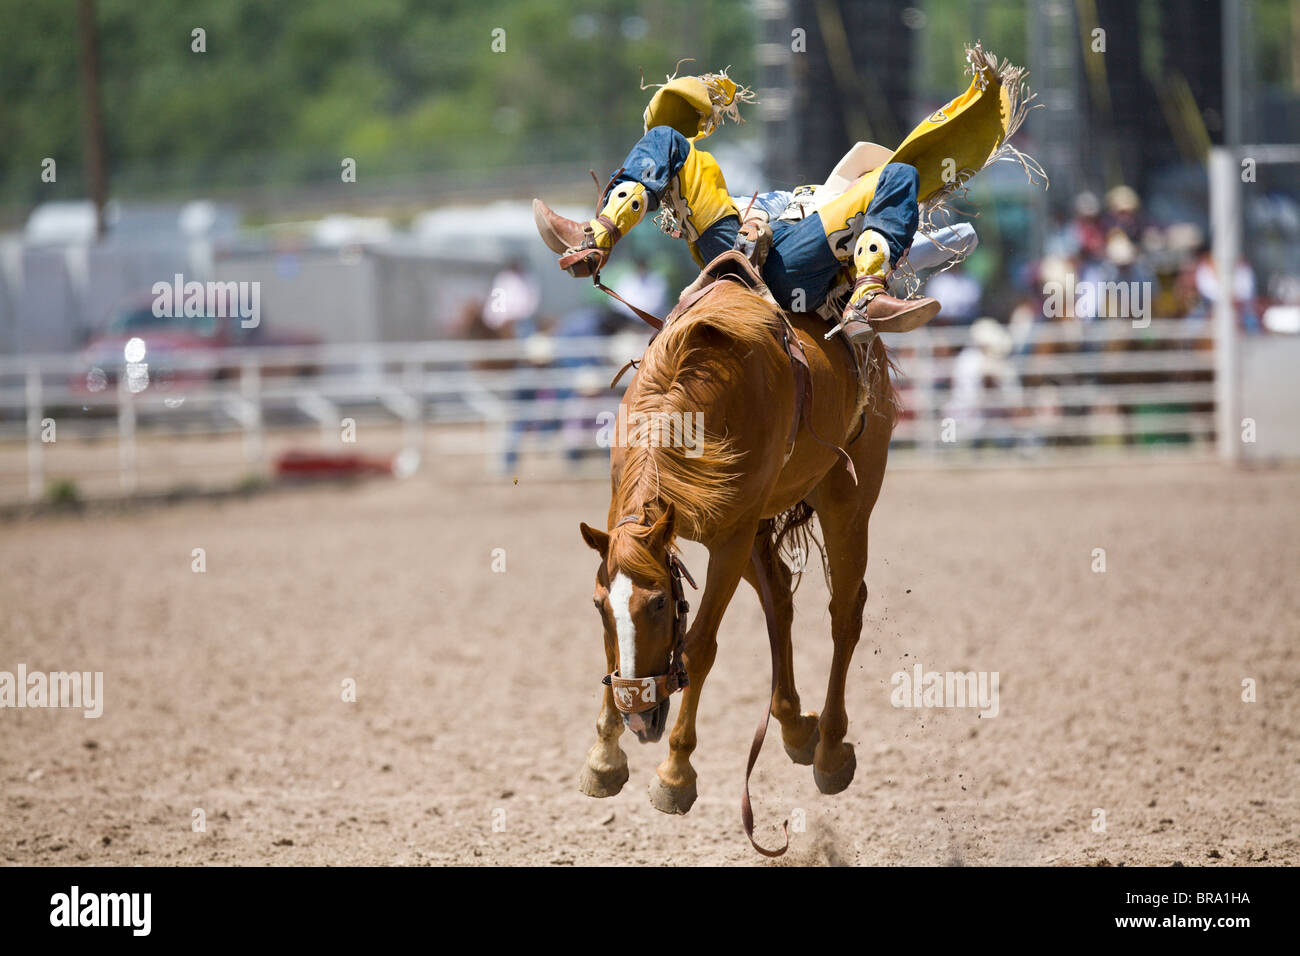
<point x="510" y="311"/>
<point x="985" y="384"/>
<point x="1124" y="212"/>
<point x="960" y="293"/>
<point x="1243" y="289"/>
<point x="511" y="306"/>
<point x="1084" y="236"/>
<point x="644" y="287"/>
<point x="1120" y="265"/>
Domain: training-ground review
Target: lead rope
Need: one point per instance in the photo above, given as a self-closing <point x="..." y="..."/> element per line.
<point x="746" y="810"/>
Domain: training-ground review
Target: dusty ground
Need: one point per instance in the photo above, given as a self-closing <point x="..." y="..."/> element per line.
<point x="477" y="691"/>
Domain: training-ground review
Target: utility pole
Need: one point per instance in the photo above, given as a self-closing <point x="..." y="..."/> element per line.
<point x="92" y="126"/>
<point x="1232" y="92"/>
<point x="1224" y="171"/>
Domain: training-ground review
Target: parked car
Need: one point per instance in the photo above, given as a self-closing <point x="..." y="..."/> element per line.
<point x="145" y="347"/>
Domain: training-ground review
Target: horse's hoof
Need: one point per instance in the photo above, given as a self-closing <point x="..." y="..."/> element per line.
<point x="837" y="780"/>
<point x="598" y="783"/>
<point x="803" y="756"/>
<point x="668" y="799"/>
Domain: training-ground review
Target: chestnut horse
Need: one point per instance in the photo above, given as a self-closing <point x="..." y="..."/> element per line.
<point x="732" y="489"/>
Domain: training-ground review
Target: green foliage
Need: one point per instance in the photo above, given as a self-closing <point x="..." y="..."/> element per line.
<point x="63" y="493"/>
<point x="286" y="90"/>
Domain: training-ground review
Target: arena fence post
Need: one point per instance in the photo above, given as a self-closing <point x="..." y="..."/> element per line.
<point x="35" y="448"/>
<point x="1225" y="224"/>
<point x="250" y="391"/>
<point x="126" y="458"/>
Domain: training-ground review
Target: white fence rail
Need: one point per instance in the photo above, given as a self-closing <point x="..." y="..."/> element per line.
<point x="1069" y="389"/>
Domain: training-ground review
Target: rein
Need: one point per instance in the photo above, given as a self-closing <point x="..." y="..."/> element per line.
<point x="747" y="811"/>
<point x="653" y="321"/>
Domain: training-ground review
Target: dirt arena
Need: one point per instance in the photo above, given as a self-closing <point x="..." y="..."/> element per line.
<point x="477" y="691"/>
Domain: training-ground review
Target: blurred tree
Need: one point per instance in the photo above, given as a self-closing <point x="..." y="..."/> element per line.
<point x="284" y="91"/>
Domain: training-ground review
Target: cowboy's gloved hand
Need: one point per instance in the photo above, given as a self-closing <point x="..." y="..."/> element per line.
<point x="754" y="240"/>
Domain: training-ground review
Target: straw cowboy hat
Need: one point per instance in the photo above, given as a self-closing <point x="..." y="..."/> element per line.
<point x="1120" y="249"/>
<point x="1123" y="199"/>
<point x="991" y="336"/>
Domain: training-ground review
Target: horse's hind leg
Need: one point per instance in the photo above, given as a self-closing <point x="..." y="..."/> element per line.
<point x="798" y="730"/>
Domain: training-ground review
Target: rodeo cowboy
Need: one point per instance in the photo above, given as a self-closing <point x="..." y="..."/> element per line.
<point x="831" y="249"/>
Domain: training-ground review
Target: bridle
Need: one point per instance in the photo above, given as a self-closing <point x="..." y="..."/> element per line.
<point x="635" y="695"/>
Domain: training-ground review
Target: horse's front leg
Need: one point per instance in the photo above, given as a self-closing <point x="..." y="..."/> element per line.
<point x="605" y="771"/>
<point x="673" y="791"/>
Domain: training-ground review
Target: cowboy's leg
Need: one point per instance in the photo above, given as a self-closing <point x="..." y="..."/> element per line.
<point x="651" y="166"/>
<point x="893" y="211"/>
<point x="873" y="224"/>
<point x="717" y="239"/>
<point x="884" y="202"/>
<point x="663" y="167"/>
<point x="807" y="255"/>
<point x="800" y="268"/>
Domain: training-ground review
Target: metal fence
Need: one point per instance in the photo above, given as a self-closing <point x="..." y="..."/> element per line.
<point x="1068" y="390"/>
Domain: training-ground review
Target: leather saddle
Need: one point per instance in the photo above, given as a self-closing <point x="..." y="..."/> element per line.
<point x="731" y="266"/>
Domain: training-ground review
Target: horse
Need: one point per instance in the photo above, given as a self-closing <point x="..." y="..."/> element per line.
<point x="741" y="491"/>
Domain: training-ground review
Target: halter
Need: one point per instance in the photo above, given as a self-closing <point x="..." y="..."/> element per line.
<point x="634" y="695"/>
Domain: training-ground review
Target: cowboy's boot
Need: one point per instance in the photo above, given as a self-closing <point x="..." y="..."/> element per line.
<point x="870" y="309"/>
<point x="584" y="247"/>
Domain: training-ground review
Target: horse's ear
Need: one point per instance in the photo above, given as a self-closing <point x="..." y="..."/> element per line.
<point x="666" y="526"/>
<point x="596" y="540"/>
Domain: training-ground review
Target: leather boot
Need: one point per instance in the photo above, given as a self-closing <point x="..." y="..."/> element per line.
<point x="870" y="309"/>
<point x="584" y="247"/>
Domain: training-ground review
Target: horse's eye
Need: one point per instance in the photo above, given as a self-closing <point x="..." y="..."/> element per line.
<point x="661" y="603"/>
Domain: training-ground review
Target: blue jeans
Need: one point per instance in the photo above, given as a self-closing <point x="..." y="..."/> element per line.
<point x="653" y="162"/>
<point x="800" y="268"/>
<point x="893" y="211"/>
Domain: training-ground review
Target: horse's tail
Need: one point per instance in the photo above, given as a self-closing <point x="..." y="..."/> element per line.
<point x="793" y="536"/>
<point x="882" y="393"/>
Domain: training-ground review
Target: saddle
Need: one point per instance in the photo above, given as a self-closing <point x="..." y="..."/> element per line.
<point x="733" y="266"/>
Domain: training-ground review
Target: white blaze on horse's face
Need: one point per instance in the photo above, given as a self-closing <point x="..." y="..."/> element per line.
<point x="620" y="602"/>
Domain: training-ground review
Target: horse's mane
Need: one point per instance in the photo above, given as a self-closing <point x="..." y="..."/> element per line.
<point x="685" y="370"/>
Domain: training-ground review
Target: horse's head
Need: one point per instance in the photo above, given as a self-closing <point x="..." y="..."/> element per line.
<point x="643" y="612"/>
